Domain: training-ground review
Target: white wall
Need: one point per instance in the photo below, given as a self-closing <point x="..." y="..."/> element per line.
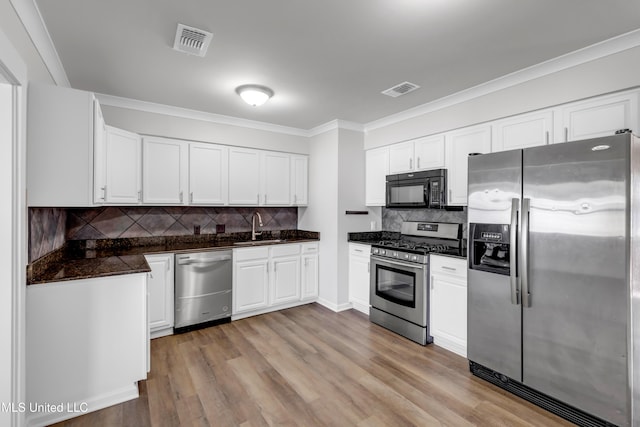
<point x="321" y="213"/>
<point x="6" y="291"/>
<point x="608" y="74"/>
<point x="148" y="123"/>
<point x="351" y="196"/>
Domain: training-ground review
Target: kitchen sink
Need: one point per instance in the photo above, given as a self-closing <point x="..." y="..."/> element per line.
<point x="257" y="242"/>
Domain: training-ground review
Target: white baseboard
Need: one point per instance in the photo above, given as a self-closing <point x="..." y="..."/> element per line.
<point x="451" y="345"/>
<point x="333" y="306"/>
<point x="361" y="307"/>
<point x="161" y="333"/>
<point x="270" y="309"/>
<point x="91" y="404"/>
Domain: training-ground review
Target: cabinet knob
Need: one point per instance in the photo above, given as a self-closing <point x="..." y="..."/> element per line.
<point x="139" y="195"/>
<point x="104" y="193"/>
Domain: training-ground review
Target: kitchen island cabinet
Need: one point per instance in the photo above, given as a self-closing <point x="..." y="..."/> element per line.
<point x="86" y="344"/>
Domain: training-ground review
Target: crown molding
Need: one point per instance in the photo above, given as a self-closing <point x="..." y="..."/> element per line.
<point x="169" y="110"/>
<point x="335" y="124"/>
<point x="590" y="53"/>
<point x="29" y="14"/>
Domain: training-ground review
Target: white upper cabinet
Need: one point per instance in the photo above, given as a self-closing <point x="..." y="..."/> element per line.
<point x="244" y="176"/>
<point x="597" y="117"/>
<point x="99" y="145"/>
<point x="208" y="174"/>
<point x="429" y="152"/>
<point x="459" y="144"/>
<point x="526" y="130"/>
<point x="121" y="163"/>
<point x="60" y="136"/>
<point x="377" y="169"/>
<point x="401" y="157"/>
<point x="275" y="179"/>
<point x="164" y="171"/>
<point x="419" y="154"/>
<point x="299" y="180"/>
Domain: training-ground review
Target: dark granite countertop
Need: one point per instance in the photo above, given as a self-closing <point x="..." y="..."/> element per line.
<point x="86" y="259"/>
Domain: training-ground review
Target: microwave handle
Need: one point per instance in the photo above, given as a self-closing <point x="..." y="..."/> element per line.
<point x="427" y="194"/>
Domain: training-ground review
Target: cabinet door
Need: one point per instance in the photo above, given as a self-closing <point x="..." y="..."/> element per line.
<point x="251" y="284"/>
<point x="276" y="179"/>
<point x="359" y="284"/>
<point x="122" y="166"/>
<point x="208" y="174"/>
<point x="310" y="265"/>
<point x="160" y="289"/>
<point x="401" y="157"/>
<point x="449" y="312"/>
<point x="164" y="171"/>
<point x="459" y="144"/>
<point x="99" y="136"/>
<point x="285" y="280"/>
<point x="244" y="176"/>
<point x="527" y="130"/>
<point x="300" y="180"/>
<point x="377" y="169"/>
<point x="429" y="152"/>
<point x="602" y="116"/>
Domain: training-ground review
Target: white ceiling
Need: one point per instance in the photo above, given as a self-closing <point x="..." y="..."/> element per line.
<point x="326" y="59"/>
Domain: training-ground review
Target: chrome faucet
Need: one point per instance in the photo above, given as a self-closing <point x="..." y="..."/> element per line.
<point x="255" y="233"/>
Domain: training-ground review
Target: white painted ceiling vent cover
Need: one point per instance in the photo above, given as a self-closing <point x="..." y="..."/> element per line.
<point x="400" y="89"/>
<point x="192" y="40"/>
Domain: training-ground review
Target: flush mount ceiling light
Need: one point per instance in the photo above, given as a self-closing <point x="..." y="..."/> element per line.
<point x="254" y="95"/>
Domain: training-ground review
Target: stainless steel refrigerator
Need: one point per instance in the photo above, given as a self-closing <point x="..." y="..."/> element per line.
<point x="554" y="276"/>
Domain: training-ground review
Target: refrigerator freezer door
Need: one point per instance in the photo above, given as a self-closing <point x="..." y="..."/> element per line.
<point x="493" y="321"/>
<point x="574" y="331"/>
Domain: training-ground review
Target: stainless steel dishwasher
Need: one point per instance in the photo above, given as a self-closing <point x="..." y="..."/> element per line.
<point x="202" y="289"/>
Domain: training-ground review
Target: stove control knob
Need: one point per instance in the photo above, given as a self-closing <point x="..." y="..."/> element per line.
<point x="414" y="257"/>
<point x="406" y="256"/>
<point x="382" y="252"/>
<point x="394" y="254"/>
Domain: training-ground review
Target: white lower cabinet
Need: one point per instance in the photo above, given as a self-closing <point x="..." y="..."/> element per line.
<point x="250" y="279"/>
<point x="86" y="344"/>
<point x="359" y="285"/>
<point x="310" y="270"/>
<point x="284" y="274"/>
<point x="268" y="278"/>
<point x="448" y="304"/>
<point x="161" y="291"/>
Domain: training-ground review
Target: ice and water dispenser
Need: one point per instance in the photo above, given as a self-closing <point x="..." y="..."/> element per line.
<point x="489" y="249"/>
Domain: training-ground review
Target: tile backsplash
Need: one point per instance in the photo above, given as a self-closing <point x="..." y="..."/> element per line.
<point x="47" y="231"/>
<point x="392" y="218"/>
<point x="50" y="228"/>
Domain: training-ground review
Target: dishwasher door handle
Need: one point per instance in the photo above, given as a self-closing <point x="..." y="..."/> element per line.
<point x="203" y="261"/>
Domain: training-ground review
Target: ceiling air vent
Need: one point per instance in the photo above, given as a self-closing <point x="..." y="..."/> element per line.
<point x="400" y="89"/>
<point x="192" y="40"/>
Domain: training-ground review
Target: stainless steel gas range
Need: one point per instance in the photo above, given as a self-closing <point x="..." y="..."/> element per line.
<point x="400" y="276"/>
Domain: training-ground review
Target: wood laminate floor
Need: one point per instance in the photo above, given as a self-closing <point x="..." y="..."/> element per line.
<point x="309" y="366"/>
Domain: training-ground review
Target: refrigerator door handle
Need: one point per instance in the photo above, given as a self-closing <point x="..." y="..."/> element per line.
<point x="513" y="257"/>
<point x="524" y="252"/>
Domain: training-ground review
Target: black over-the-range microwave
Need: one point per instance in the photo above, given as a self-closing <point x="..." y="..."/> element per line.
<point x="424" y="189"/>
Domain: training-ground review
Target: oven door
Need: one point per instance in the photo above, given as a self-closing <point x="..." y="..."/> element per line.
<point x="400" y="288"/>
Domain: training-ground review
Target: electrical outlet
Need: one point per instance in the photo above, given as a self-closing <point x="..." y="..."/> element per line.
<point x="219" y="228"/>
<point x="196" y="229"/>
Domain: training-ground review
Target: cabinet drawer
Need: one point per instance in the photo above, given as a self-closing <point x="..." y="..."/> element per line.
<point x="448" y="265"/>
<point x="359" y="250"/>
<point x="285" y="250"/>
<point x="310" y="248"/>
<point x="245" y="254"/>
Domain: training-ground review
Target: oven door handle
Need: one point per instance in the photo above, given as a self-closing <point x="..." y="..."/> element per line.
<point x="399" y="263"/>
